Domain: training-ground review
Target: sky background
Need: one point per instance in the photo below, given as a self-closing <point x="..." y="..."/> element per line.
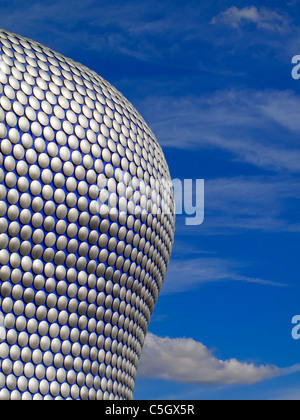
<point x="213" y="81"/>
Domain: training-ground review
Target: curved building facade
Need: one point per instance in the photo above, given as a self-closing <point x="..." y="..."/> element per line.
<point x="86" y="228"/>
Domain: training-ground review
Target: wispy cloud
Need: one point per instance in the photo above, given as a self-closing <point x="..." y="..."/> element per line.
<point x="239" y="205"/>
<point x="257" y="127"/>
<point x="168" y="34"/>
<point x="286" y="394"/>
<point x="130" y="28"/>
<point x="262" y="17"/>
<point x="205" y="270"/>
<point x="261" y="203"/>
<point x="188" y="361"/>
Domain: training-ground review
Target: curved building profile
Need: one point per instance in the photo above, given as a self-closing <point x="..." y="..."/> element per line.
<point x="86" y="228"/>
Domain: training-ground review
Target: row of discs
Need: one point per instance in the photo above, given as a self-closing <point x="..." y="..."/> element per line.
<point x="86" y="228"/>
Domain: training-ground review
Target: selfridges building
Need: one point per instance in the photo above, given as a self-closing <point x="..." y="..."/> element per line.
<point x="86" y="228"/>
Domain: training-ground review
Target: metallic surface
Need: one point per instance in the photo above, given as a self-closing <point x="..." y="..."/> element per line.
<point x="86" y="229"/>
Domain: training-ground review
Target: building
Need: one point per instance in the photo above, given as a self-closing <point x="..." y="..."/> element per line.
<point x="86" y="228"/>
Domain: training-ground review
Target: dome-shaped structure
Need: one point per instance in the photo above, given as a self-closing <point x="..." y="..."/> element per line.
<point x="86" y="228"/>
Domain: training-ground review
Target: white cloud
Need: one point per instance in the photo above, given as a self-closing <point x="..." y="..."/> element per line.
<point x="188" y="361"/>
<point x="262" y="17"/>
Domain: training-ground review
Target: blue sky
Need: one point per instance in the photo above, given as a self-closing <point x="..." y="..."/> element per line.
<point x="213" y="81"/>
